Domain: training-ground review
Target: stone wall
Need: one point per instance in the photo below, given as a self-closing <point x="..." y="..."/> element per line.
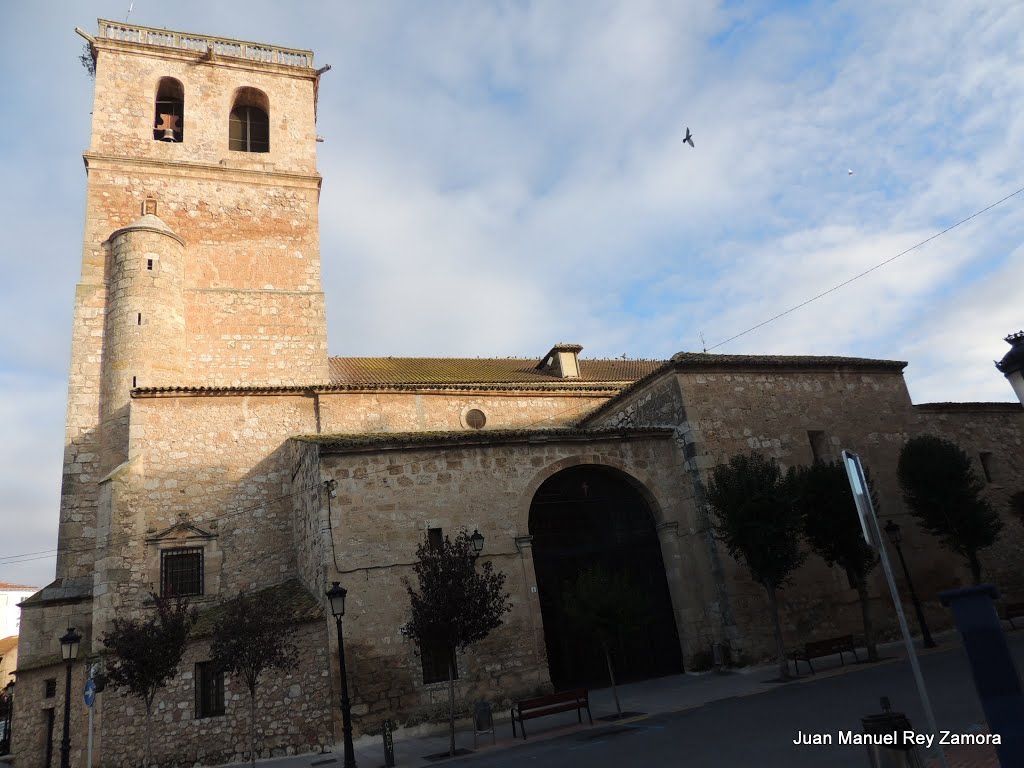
<point x="389" y="497"/>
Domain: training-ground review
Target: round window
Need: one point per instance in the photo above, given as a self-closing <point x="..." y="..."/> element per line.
<point x="475" y="418"/>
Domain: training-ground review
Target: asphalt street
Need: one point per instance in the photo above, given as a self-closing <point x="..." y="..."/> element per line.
<point x="759" y="730"/>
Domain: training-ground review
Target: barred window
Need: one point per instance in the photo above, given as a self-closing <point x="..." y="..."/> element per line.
<point x="181" y="572"/>
<point x="435" y="657"/>
<point x="249" y="122"/>
<point x="51" y="687"/>
<point x="209" y="690"/>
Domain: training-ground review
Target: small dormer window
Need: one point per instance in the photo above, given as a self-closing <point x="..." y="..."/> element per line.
<point x="169" y="120"/>
<point x="249" y="125"/>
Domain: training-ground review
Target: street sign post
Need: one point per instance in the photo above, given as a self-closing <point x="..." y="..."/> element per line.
<point x="873" y="536"/>
<point x="90" y="699"/>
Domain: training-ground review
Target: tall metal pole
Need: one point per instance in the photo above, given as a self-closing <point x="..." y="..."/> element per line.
<point x="346" y="707"/>
<point x="926" y="635"/>
<point x="65" y="743"/>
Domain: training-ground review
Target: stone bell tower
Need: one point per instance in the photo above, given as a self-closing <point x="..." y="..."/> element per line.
<point x="200" y="258"/>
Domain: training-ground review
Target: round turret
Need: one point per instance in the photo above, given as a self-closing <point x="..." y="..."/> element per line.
<point x="144" y="329"/>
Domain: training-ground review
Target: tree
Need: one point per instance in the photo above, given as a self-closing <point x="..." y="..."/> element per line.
<point x="602" y="603"/>
<point x="756" y="519"/>
<point x="831" y="525"/>
<point x="457" y="604"/>
<point x="251" y="635"/>
<point x="944" y="494"/>
<point x="145" y="653"/>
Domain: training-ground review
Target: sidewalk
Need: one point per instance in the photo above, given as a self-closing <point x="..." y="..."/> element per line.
<point x="661" y="695"/>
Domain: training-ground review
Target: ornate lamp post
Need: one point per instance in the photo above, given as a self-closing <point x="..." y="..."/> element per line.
<point x="5" y="742"/>
<point x="336" y="595"/>
<point x="892" y="530"/>
<point x="69" y="650"/>
<point x="1012" y="364"/>
<point x="477" y="540"/>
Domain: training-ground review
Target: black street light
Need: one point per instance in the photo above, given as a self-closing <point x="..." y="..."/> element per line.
<point x="477" y="540"/>
<point x="892" y="530"/>
<point x="1012" y="364"/>
<point x="69" y="650"/>
<point x="336" y="595"/>
<point x="5" y="742"/>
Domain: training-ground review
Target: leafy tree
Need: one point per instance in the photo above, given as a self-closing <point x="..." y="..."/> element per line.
<point x="87" y="59"/>
<point x="251" y="635"/>
<point x="602" y="603"/>
<point x="831" y="525"/>
<point x="457" y="604"/>
<point x="145" y="653"/>
<point x="756" y="519"/>
<point x="944" y="494"/>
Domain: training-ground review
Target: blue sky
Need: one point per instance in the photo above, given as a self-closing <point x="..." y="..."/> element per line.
<point x="502" y="176"/>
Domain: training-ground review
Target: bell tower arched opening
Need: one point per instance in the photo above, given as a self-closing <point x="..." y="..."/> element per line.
<point x="592" y="516"/>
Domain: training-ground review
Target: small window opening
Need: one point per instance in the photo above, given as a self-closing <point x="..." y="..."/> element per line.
<point x="133" y="383"/>
<point x="987" y="465"/>
<point x="149" y="263"/>
<point x="249" y="123"/>
<point x="140" y="319"/>
<point x="435" y="658"/>
<point x="476" y="418"/>
<point x="169" y="120"/>
<point x="209" y="690"/>
<point x="435" y="540"/>
<point x="51" y="687"/>
<point x="819" y="445"/>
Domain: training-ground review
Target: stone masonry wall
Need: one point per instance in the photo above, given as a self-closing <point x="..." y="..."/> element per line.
<point x="388" y="499"/>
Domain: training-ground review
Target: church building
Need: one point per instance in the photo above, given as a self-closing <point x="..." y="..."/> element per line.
<point x="214" y="447"/>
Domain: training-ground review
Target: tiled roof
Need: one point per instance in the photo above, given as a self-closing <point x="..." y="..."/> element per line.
<point x="17" y="587"/>
<point x="298" y="603"/>
<point x="370" y="371"/>
<point x="7" y="643"/>
<point x="382" y="440"/>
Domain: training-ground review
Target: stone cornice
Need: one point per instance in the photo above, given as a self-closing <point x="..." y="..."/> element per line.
<point x="100" y="161"/>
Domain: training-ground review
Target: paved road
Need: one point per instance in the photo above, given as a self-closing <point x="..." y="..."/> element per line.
<point x="759" y="730"/>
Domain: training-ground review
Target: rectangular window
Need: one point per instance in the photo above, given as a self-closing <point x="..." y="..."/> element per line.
<point x="435" y="539"/>
<point x="149" y="263"/>
<point x="986" y="465"/>
<point x="435" y="658"/>
<point x="209" y="690"/>
<point x="819" y="445"/>
<point x="181" y="572"/>
<point x="51" y="687"/>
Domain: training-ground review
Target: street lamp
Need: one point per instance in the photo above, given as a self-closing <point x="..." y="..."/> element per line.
<point x="69" y="650"/>
<point x="336" y="596"/>
<point x="1012" y="364"/>
<point x="892" y="530"/>
<point x="477" y="540"/>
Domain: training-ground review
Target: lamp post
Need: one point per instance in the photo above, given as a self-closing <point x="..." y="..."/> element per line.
<point x="5" y="743"/>
<point x="336" y="596"/>
<point x="892" y="530"/>
<point x="1012" y="364"/>
<point x="69" y="650"/>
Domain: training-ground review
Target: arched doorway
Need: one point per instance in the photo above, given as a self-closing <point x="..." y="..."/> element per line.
<point x="592" y="516"/>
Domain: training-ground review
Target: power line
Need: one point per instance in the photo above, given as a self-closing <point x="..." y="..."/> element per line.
<point x="866" y="271"/>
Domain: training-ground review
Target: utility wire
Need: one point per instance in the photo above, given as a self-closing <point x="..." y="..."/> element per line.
<point x="866" y="271"/>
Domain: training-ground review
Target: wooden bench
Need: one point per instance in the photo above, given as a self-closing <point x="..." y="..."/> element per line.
<point x="1012" y="610"/>
<point x="819" y="648"/>
<point x="527" y="709"/>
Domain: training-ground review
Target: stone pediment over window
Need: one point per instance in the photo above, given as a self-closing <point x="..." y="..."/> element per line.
<point x="184" y="560"/>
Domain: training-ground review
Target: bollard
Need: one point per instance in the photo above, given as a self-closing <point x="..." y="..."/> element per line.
<point x="894" y="751"/>
<point x="389" y="744"/>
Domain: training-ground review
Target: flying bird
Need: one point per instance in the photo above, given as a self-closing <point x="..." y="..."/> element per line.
<point x="849" y="172"/>
<point x="688" y="138"/>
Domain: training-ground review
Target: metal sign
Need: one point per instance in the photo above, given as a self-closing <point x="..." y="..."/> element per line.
<point x="389" y="743"/>
<point x="861" y="496"/>
<point x="90" y="692"/>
